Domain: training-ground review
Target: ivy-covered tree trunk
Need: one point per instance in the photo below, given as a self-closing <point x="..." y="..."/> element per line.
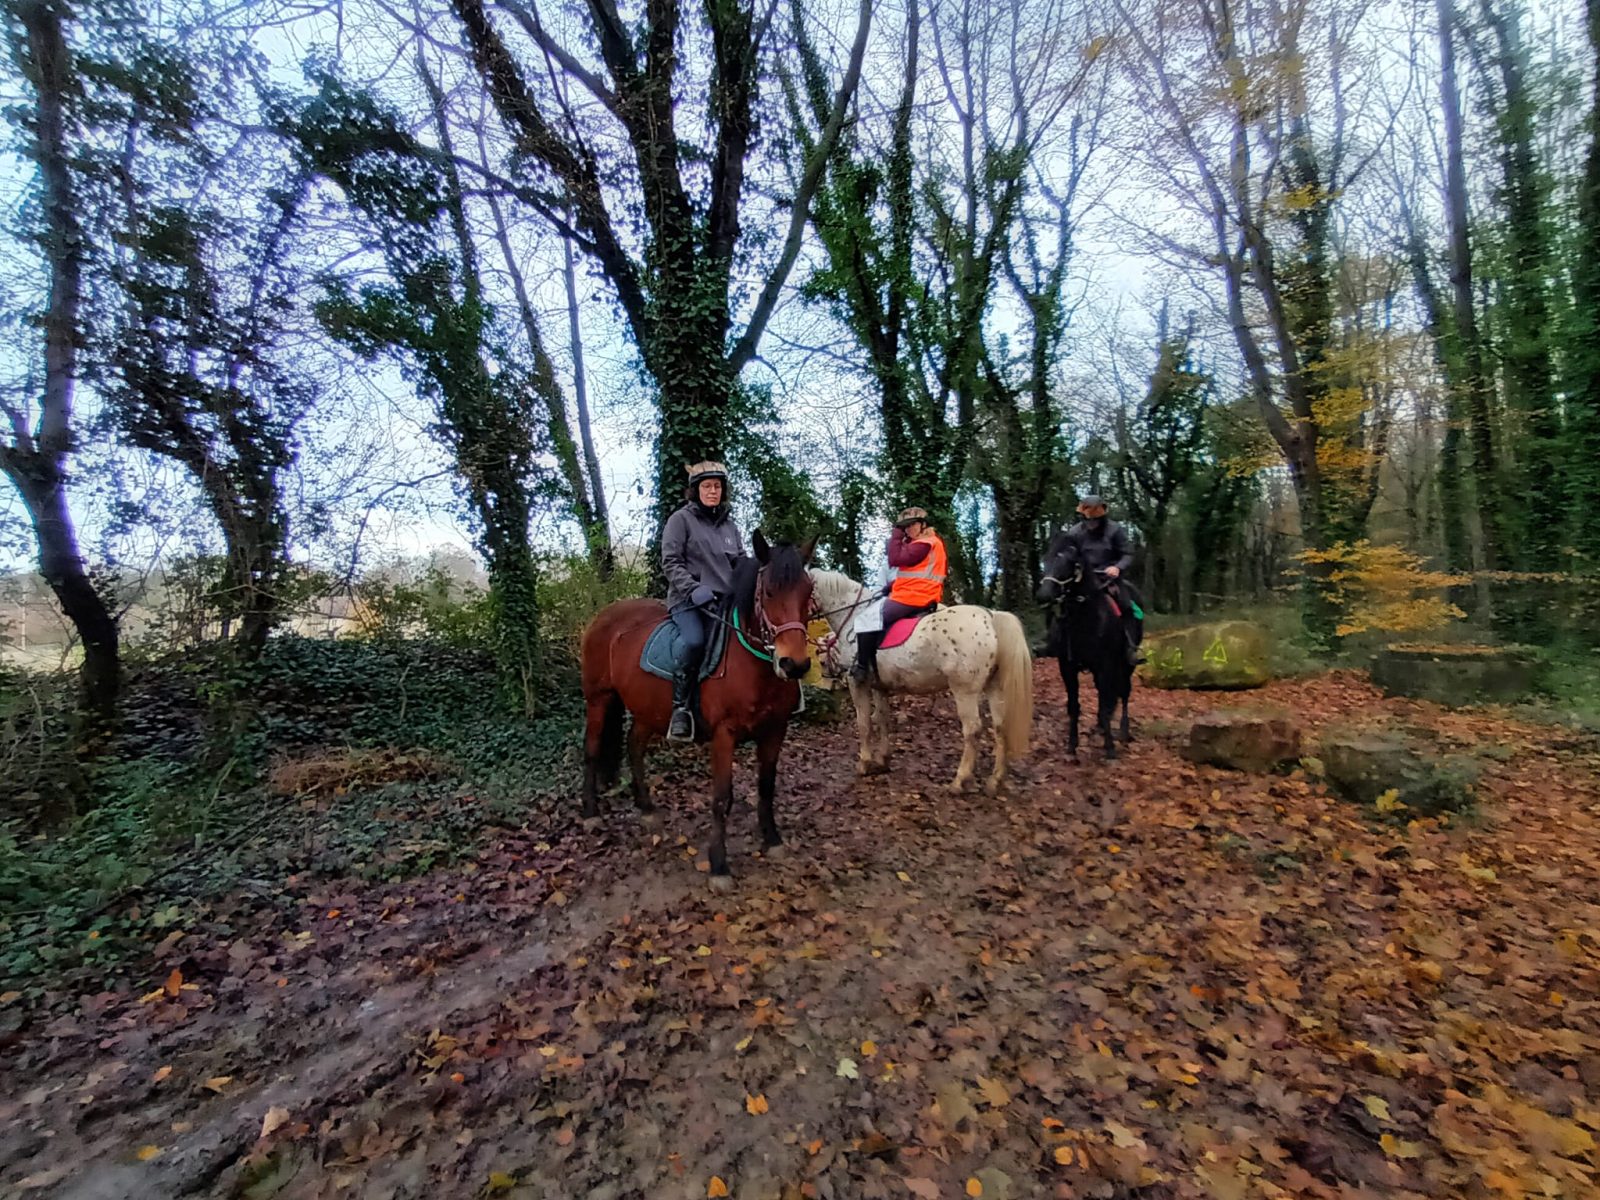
<point x="35" y="458"/>
<point x="677" y="296"/>
<point x="1525" y="325"/>
<point x="434" y="315"/>
<point x="1583" y="383"/>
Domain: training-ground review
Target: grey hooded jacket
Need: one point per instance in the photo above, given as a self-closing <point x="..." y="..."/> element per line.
<point x="698" y="546"/>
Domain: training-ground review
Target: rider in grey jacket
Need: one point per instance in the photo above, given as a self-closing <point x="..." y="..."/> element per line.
<point x="699" y="544"/>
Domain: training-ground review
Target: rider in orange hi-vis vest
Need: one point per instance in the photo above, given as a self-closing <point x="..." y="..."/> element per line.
<point x="917" y="554"/>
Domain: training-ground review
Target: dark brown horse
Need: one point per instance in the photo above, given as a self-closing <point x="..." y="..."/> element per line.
<point x="750" y="696"/>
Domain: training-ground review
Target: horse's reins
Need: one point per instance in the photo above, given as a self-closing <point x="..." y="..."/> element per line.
<point x="828" y="644"/>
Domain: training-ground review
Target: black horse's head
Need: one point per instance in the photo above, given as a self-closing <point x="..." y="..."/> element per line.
<point x="1063" y="568"/>
<point x="784" y="602"/>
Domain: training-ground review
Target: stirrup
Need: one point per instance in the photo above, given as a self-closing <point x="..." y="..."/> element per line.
<point x="681" y="731"/>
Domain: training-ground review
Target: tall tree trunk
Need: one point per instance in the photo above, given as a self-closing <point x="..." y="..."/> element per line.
<point x="35" y="460"/>
<point x="1458" y="554"/>
<point x="580" y="395"/>
<point x="1583" y="389"/>
<point x="1469" y="349"/>
<point x="1529" y="374"/>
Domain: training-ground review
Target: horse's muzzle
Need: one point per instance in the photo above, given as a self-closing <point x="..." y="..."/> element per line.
<point x="791" y="668"/>
<point x="1046" y="593"/>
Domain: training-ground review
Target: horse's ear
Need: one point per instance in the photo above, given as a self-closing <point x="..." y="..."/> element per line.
<point x="763" y="551"/>
<point x="807" y="549"/>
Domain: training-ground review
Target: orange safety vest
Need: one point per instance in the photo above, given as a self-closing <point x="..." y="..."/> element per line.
<point x="922" y="584"/>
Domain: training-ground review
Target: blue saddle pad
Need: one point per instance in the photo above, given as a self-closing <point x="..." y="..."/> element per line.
<point x="660" y="655"/>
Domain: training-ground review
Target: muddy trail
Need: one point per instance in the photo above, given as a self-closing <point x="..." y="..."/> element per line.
<point x="1147" y="978"/>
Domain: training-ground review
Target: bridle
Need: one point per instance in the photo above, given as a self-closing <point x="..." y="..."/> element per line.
<point x="768" y="631"/>
<point x="829" y="643"/>
<point x="765" y="632"/>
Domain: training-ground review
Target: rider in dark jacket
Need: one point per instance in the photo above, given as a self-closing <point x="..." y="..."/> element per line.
<point x="699" y="544"/>
<point x="1103" y="547"/>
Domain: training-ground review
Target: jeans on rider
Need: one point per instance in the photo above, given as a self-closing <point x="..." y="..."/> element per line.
<point x="867" y="642"/>
<point x="691" y="623"/>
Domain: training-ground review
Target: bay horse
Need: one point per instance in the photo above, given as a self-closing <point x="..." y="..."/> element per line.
<point x="750" y="696"/>
<point x="1087" y="636"/>
<point x="972" y="653"/>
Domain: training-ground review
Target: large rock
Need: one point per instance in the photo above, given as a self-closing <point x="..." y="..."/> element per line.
<point x="1365" y="767"/>
<point x="1224" y="654"/>
<point x="1244" y="741"/>
<point x="1456" y="675"/>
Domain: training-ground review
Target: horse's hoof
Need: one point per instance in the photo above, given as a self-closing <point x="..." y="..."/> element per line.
<point x="991" y="787"/>
<point x="721" y="884"/>
<point x="775" y="853"/>
<point x="868" y="767"/>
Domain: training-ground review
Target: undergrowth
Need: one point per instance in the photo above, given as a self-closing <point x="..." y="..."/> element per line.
<point x="179" y="813"/>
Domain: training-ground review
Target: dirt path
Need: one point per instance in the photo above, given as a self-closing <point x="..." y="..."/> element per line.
<point x="1150" y="979"/>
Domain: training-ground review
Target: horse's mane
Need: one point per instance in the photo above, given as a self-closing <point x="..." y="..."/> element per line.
<point x="785" y="569"/>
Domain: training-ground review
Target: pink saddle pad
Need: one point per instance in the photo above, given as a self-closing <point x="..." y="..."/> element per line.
<point x="899" y="632"/>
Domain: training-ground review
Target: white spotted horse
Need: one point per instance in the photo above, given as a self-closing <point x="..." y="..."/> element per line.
<point x="972" y="653"/>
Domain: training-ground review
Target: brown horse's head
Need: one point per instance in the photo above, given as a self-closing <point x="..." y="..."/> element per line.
<point x="783" y="599"/>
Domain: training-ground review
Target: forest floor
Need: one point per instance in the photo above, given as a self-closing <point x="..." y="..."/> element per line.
<point x="1146" y="978"/>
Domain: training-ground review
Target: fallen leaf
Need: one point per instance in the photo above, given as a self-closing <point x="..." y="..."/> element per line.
<point x="755" y="1105"/>
<point x="869" y="1049"/>
<point x="276" y="1116"/>
<point x="1123" y="1137"/>
<point x="565" y="1136"/>
<point x="1064" y="1155"/>
<point x="146" y="1153"/>
<point x="174" y="983"/>
<point x="1396" y="1148"/>
<point x="994" y="1092"/>
<point x="217" y="1082"/>
<point x="7" y="998"/>
<point x="499" y="1182"/>
<point x="161" y="1073"/>
<point x="848" y="1069"/>
<point x="974" y="1188"/>
<point x="1378" y="1107"/>
<point x="716" y="1187"/>
<point x="925" y="1188"/>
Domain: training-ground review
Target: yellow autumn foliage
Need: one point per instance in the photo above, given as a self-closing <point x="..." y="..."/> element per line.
<point x="1385" y="589"/>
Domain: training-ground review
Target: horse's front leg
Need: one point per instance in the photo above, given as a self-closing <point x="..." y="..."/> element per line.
<point x="1069" y="680"/>
<point x="1106" y="697"/>
<point x="883" y="727"/>
<point x="967" y="708"/>
<point x="721" y="800"/>
<point x="768" y="747"/>
<point x="862" y="697"/>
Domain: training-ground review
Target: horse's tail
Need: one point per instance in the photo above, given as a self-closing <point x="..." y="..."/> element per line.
<point x="1014" y="678"/>
<point x="608" y="762"/>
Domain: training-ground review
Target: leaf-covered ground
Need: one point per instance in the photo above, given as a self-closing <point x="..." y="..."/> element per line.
<point x="1148" y="979"/>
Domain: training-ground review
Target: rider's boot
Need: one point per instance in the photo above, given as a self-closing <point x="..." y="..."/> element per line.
<point x="685" y="706"/>
<point x="865" y="670"/>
